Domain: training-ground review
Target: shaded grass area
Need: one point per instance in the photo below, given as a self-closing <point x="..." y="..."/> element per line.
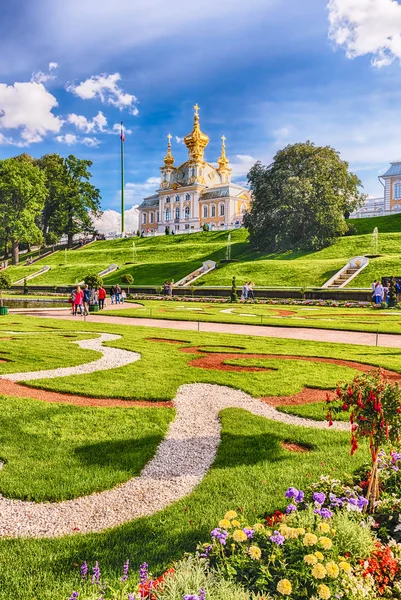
<point x="56" y="452"/>
<point x="346" y="319"/>
<point x="250" y="474"/>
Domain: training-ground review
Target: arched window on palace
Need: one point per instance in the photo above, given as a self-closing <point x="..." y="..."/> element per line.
<point x="151" y="217"/>
<point x="168" y="214"/>
<point x="187" y="212"/>
<point x="143" y="218"/>
<point x="213" y="209"/>
<point x="177" y="213"/>
<point x="177" y="198"/>
<point x="205" y="211"/>
<point x="397" y="191"/>
<point x="157" y="216"/>
<point x="187" y="197"/>
<point x="168" y="199"/>
<point x="221" y="210"/>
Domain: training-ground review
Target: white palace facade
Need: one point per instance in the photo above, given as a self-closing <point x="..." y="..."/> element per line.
<point x="195" y="193"/>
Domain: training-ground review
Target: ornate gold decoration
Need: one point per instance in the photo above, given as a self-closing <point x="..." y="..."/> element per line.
<point x="223" y="160"/>
<point x="196" y="141"/>
<point x="169" y="159"/>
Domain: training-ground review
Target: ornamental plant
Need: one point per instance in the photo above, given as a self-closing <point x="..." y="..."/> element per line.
<point x="5" y="283"/>
<point x="375" y="413"/>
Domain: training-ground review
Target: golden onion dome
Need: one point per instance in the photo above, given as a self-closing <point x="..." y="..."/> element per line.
<point x="169" y="159"/>
<point x="196" y="141"/>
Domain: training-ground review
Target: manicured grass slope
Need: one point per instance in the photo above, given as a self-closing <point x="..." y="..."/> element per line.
<point x="173" y="257"/>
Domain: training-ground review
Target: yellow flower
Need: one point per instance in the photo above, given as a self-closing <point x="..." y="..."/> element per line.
<point x="231" y="514"/>
<point x="224" y="524"/>
<point x="310" y="539"/>
<point x="323" y="591"/>
<point x="310" y="559"/>
<point x="258" y="527"/>
<point x="236" y="523"/>
<point x="284" y="587"/>
<point x="319" y="555"/>
<point x="325" y="543"/>
<point x="301" y="531"/>
<point x="319" y="571"/>
<point x="324" y="527"/>
<point x="239" y="536"/>
<point x="255" y="553"/>
<point x="333" y="532"/>
<point x="345" y="566"/>
<point x="332" y="569"/>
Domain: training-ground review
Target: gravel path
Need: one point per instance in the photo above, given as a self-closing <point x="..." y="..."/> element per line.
<point x="180" y="463"/>
<point x="112" y="359"/>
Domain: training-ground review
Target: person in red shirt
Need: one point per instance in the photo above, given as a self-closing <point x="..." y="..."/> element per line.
<point x="101" y="295"/>
<point x="78" y="300"/>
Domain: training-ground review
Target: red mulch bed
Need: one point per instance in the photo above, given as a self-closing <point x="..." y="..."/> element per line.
<point x="294" y="447"/>
<point x="11" y="388"/>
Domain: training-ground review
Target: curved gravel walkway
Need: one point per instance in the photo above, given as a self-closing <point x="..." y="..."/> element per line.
<point x="181" y="461"/>
<point x="112" y="359"/>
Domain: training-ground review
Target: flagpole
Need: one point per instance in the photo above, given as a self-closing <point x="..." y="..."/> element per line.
<point x="122" y="179"/>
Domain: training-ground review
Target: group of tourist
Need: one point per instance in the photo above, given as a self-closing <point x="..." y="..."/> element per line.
<point x="247" y="292"/>
<point x="381" y="292"/>
<point x="81" y="299"/>
<point x="168" y="289"/>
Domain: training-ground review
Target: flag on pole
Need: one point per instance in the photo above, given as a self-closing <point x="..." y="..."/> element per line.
<point x="122" y="135"/>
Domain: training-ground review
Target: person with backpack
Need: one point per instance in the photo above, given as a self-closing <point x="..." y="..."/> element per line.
<point x="118" y="294"/>
<point x="101" y="296"/>
<point x="86" y="300"/>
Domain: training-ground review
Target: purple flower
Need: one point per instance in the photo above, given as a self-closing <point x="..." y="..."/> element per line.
<point x="291" y="492"/>
<point x="143" y="573"/>
<point x="84" y="570"/>
<point x="319" y="497"/>
<point x="125" y="571"/>
<point x="206" y="551"/>
<point x="326" y="513"/>
<point x="249" y="532"/>
<point x="277" y="538"/>
<point x="202" y="594"/>
<point x="353" y="501"/>
<point x="362" y="502"/>
<point x="300" y="496"/>
<point x="219" y="534"/>
<point x="74" y="596"/>
<point x="96" y="574"/>
<point x="132" y="597"/>
<point x="290" y="508"/>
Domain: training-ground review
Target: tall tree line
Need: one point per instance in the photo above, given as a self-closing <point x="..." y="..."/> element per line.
<point x="43" y="199"/>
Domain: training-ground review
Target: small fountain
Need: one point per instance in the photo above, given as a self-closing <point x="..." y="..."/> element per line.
<point x="228" y="251"/>
<point x="375" y="241"/>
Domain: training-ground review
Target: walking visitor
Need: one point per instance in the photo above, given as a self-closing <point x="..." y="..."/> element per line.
<point x="87" y="297"/>
<point x="378" y="293"/>
<point x="78" y="300"/>
<point x="251" y="295"/>
<point x="118" y="294"/>
<point x="101" y="296"/>
<point x="123" y="296"/>
<point x="244" y="294"/>
<point x="112" y="294"/>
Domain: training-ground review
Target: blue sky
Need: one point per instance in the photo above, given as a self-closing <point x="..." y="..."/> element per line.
<point x="265" y="73"/>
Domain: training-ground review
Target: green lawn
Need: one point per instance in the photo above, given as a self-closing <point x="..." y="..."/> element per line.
<point x="173" y="257"/>
<point x="56" y="452"/>
<point x="348" y="319"/>
<point x="316" y="411"/>
<point x="251" y="473"/>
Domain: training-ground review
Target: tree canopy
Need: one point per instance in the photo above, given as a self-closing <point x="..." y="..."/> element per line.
<point x="299" y="201"/>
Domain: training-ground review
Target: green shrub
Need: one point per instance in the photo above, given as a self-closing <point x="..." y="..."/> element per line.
<point x="127" y="278"/>
<point x="93" y="280"/>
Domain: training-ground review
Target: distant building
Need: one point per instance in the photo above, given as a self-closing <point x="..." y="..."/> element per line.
<point x="390" y="203"/>
<point x="194" y="193"/>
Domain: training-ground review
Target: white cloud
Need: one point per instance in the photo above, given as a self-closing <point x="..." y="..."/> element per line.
<point x="98" y="123"/>
<point x="242" y="165"/>
<point x="27" y="107"/>
<point x="106" y="88"/>
<point x="71" y="139"/>
<point x="364" y="27"/>
<point x="41" y="77"/>
<point x="110" y="221"/>
<point x="117" y="129"/>
<point x="135" y="192"/>
<point x="179" y="140"/>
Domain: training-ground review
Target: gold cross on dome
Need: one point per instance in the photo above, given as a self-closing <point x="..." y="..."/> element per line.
<point x="169" y="137"/>
<point x="197" y="109"/>
<point x="223" y="137"/>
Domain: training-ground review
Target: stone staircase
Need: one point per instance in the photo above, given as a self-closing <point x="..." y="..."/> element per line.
<point x="347" y="273"/>
<point x="187" y="281"/>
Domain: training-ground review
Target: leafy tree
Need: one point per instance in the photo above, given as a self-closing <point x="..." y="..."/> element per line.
<point x="5" y="283"/>
<point x="76" y="199"/>
<point x="93" y="280"/>
<point x="127" y="278"/>
<point x="300" y="199"/>
<point x="234" y="295"/>
<point x="167" y="230"/>
<point x="22" y="196"/>
<point x="54" y="169"/>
